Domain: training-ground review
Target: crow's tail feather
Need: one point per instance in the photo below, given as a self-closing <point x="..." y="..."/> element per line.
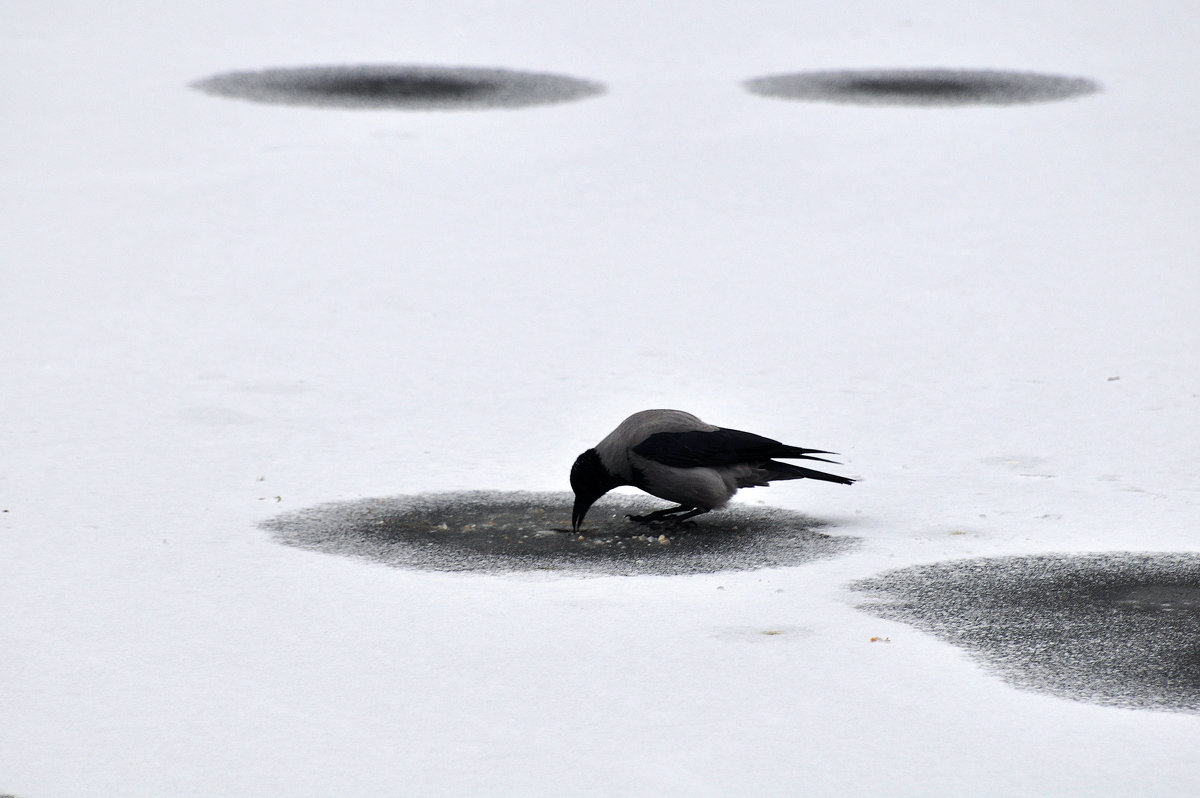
<point x="788" y="471"/>
<point x="797" y="453"/>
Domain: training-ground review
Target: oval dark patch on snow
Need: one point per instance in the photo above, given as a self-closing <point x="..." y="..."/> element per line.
<point x="1116" y="629"/>
<point x="921" y="87"/>
<point x="407" y="87"/>
<point x="506" y="532"/>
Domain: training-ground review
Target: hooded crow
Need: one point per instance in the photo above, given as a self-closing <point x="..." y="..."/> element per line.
<point x="675" y="456"/>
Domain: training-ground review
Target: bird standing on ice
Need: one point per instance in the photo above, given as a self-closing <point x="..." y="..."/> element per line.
<point x="675" y="456"/>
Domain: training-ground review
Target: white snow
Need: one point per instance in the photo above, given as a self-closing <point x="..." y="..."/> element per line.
<point x="213" y="311"/>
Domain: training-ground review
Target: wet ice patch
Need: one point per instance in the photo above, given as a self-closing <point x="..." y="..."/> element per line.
<point x="506" y="532"/>
<point x="409" y="87"/>
<point x="921" y="87"/>
<point x="1115" y="629"/>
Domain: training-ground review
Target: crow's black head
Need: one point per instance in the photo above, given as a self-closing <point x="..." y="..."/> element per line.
<point x="590" y="480"/>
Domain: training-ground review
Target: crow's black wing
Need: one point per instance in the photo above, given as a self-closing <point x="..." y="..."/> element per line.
<point x="720" y="447"/>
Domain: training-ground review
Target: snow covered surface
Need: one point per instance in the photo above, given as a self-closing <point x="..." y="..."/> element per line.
<point x="214" y="311"/>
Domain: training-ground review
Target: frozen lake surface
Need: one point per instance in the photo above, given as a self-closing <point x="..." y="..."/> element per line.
<point x="219" y="313"/>
<point x="1116" y="629"/>
<point x="501" y="532"/>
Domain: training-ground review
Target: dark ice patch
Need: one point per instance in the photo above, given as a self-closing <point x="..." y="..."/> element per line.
<point x="921" y="87"/>
<point x="409" y="87"/>
<point x="506" y="532"/>
<point x="1115" y="629"/>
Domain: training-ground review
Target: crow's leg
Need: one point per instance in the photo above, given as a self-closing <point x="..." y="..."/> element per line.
<point x="672" y="515"/>
<point x="661" y="515"/>
<point x="679" y="519"/>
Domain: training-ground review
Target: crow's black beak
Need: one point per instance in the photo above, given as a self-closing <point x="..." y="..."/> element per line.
<point x="581" y="507"/>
